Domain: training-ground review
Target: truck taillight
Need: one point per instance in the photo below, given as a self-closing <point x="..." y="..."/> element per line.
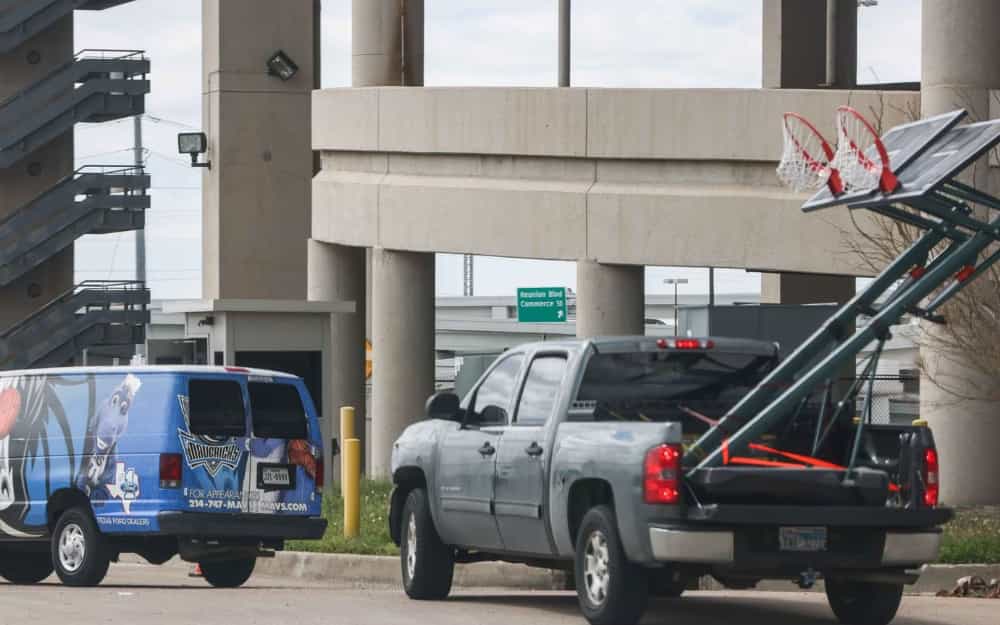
<point x="170" y="470"/>
<point x="932" y="478"/>
<point x="662" y="475"/>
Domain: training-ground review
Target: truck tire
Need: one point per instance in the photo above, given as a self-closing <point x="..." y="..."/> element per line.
<point x="25" y="568"/>
<point x="79" y="554"/>
<point x="611" y="590"/>
<point x="863" y="603"/>
<point x="228" y="573"/>
<point x="427" y="564"/>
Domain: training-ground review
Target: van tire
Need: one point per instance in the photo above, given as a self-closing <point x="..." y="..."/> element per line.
<point x="427" y="564"/>
<point x="80" y="556"/>
<point x="24" y="569"/>
<point x="611" y="590"/>
<point x="863" y="603"/>
<point x="228" y="573"/>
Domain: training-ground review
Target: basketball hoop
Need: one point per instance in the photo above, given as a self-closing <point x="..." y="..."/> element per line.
<point x="861" y="157"/>
<point x="805" y="159"/>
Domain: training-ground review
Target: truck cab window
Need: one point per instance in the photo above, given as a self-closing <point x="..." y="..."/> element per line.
<point x="493" y="396"/>
<point x="541" y="389"/>
<point x="216" y="408"/>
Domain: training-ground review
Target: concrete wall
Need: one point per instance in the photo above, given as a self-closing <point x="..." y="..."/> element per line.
<point x="37" y="173"/>
<point x="621" y="176"/>
<point x="258" y="128"/>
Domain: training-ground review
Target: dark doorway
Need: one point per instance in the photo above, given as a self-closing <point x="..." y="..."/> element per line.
<point x="306" y="365"/>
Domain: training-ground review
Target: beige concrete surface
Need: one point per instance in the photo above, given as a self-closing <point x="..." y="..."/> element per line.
<point x="166" y="596"/>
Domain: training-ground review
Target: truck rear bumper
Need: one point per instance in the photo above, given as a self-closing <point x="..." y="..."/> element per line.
<point x="728" y="547"/>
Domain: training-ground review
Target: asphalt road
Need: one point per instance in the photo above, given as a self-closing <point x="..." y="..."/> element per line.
<point x="144" y="595"/>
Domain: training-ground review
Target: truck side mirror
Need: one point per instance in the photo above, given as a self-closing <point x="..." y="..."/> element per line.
<point x="445" y="406"/>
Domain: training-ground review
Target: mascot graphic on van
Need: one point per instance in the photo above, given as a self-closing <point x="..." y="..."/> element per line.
<point x="104" y="429"/>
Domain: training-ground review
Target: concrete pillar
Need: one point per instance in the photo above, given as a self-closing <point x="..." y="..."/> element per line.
<point x="260" y="146"/>
<point x="37" y="172"/>
<point x="403" y="344"/>
<point x="794" y="44"/>
<point x="958" y="69"/>
<point x="805" y="288"/>
<point x="388" y="35"/>
<point x="610" y="299"/>
<point x="337" y="273"/>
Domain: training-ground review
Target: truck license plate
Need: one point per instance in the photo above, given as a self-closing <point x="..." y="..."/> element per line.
<point x="802" y="539"/>
<point x="278" y="477"/>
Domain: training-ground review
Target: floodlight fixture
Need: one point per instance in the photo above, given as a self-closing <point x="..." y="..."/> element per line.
<point x="282" y="66"/>
<point x="195" y="144"/>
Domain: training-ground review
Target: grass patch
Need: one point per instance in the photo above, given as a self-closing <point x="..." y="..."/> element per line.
<point x="374" y="539"/>
<point x="972" y="538"/>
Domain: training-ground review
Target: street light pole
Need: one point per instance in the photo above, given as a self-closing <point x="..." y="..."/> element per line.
<point x="675" y="282"/>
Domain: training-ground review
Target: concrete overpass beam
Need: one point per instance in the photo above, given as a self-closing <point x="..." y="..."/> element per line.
<point x="958" y="69"/>
<point x="403" y="347"/>
<point x="610" y="299"/>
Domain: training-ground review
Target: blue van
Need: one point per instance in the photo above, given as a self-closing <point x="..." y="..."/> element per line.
<point x="218" y="465"/>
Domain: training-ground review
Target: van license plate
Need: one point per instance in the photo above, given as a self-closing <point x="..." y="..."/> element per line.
<point x="275" y="477"/>
<point x="802" y="539"/>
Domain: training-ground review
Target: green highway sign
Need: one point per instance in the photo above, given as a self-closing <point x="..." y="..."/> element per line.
<point x="541" y="305"/>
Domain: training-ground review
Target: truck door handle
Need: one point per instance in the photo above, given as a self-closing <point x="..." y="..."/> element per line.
<point x="534" y="449"/>
<point x="487" y="450"/>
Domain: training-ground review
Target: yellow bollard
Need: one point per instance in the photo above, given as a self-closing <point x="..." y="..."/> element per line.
<point x="351" y="487"/>
<point x="346" y="434"/>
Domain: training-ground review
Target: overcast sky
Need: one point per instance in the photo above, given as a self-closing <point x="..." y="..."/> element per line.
<point x="627" y="43"/>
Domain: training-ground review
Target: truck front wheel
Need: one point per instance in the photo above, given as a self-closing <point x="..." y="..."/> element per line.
<point x="611" y="590"/>
<point x="427" y="563"/>
<point x="79" y="554"/>
<point x="863" y="603"/>
<point x="25" y="568"/>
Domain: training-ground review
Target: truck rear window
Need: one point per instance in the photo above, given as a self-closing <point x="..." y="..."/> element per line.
<point x="669" y="386"/>
<point x="216" y="408"/>
<point x="277" y="411"/>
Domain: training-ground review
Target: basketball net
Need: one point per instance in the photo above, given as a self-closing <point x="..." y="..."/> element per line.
<point x="804" y="164"/>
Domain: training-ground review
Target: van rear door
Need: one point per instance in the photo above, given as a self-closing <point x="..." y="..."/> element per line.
<point x="284" y="448"/>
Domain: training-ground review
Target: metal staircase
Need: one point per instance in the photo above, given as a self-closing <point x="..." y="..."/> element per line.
<point x="21" y="20"/>
<point x="94" y="200"/>
<point x="92" y="313"/>
<point x="96" y="86"/>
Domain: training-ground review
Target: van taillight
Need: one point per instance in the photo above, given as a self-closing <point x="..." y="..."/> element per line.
<point x="932" y="478"/>
<point x="320" y="476"/>
<point x="170" y="470"/>
<point x="661" y="475"/>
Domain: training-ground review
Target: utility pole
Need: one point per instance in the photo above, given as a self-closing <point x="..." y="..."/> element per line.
<point x="140" y="234"/>
<point x="468" y="275"/>
<point x="565" y="37"/>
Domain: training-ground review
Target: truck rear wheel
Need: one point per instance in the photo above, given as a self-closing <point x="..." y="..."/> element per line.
<point x="428" y="564"/>
<point x="228" y="573"/>
<point x="79" y="554"/>
<point x="611" y="590"/>
<point x="25" y="568"/>
<point x="864" y="603"/>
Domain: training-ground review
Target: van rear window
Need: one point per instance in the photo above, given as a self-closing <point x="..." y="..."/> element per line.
<point x="216" y="408"/>
<point x="277" y="411"/>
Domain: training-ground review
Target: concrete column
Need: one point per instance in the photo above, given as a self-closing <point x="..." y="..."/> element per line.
<point x="260" y="144"/>
<point x="805" y="288"/>
<point x="958" y="69"/>
<point x="610" y="299"/>
<point x="387" y="47"/>
<point x="37" y="172"/>
<point x="403" y="343"/>
<point x="795" y="50"/>
<point x="337" y="273"/>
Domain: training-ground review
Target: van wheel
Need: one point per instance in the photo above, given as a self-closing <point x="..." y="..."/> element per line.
<point x="428" y="564"/>
<point x="79" y="554"/>
<point x="228" y="573"/>
<point x="611" y="590"/>
<point x="25" y="568"/>
<point x="864" y="603"/>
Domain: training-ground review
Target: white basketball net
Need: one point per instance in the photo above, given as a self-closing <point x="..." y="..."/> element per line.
<point x="803" y="165"/>
<point x="857" y="159"/>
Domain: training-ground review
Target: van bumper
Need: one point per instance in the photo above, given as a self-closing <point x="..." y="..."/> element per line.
<point x="212" y="525"/>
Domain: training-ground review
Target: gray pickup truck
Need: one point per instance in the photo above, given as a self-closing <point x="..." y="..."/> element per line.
<point x="569" y="455"/>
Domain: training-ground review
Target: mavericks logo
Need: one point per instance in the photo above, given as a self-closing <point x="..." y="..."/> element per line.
<point x="212" y="456"/>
